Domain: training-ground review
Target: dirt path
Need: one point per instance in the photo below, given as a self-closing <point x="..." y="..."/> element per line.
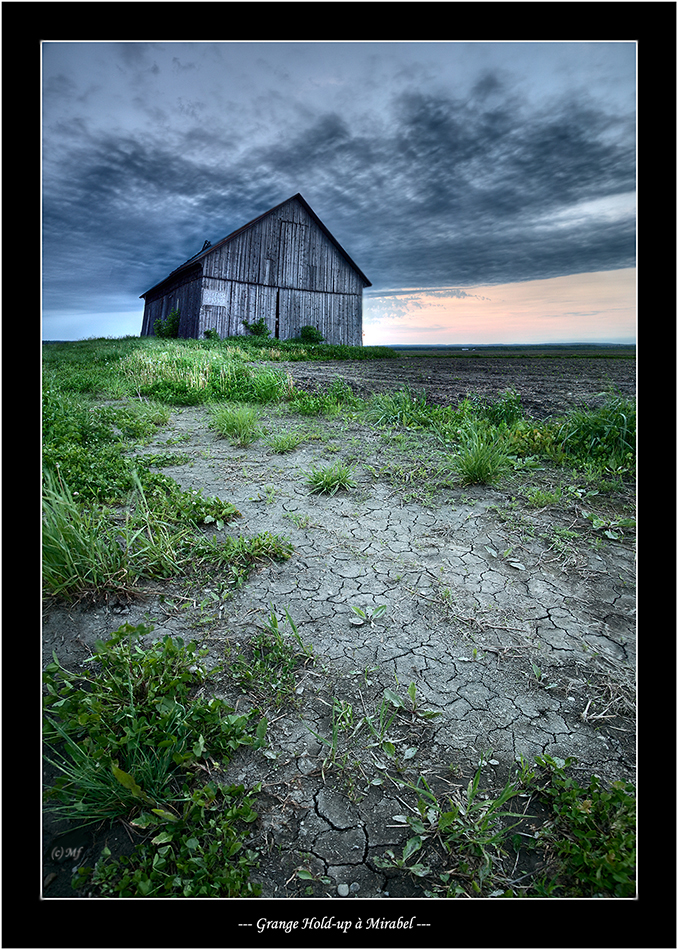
<point x="513" y="626"/>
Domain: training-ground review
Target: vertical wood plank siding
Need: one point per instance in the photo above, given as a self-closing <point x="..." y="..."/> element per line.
<point x="282" y="268"/>
<point x="183" y="294"/>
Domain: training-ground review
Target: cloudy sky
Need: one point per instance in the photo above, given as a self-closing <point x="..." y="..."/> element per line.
<point x="487" y="190"/>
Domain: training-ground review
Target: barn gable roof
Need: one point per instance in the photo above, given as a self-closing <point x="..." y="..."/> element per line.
<point x="229" y="237"/>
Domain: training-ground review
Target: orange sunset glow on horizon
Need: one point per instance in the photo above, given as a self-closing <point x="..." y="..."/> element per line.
<point x="580" y="308"/>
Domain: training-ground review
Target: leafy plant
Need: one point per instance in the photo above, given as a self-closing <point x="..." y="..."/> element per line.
<point x="400" y="703"/>
<point x="412" y="846"/>
<point x="269" y="668"/>
<point x="259" y="328"/>
<point x="202" y="854"/>
<point x="126" y="729"/>
<point x="309" y="334"/>
<point x="130" y="739"/>
<point x="594" y="833"/>
<point x="363" y="616"/>
<point x="169" y="327"/>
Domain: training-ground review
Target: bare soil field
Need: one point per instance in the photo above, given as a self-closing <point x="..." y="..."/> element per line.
<point x="516" y="624"/>
<point x="547" y="386"/>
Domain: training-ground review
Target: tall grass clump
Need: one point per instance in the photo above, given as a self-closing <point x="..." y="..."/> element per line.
<point x="603" y="438"/>
<point x="505" y="410"/>
<point x="85" y="549"/>
<point x="337" y="397"/>
<point x="79" y="550"/>
<point x="192" y="375"/>
<point x="481" y="457"/>
<point x="237" y="421"/>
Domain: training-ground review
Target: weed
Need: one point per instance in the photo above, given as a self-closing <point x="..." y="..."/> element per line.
<point x="133" y="741"/>
<point x="401" y="408"/>
<point x="540" y="498"/>
<point x="594" y="834"/>
<point x="167" y="328"/>
<point x="240" y="422"/>
<point x="301" y="521"/>
<point x="412" y="846"/>
<point x="363" y="617"/>
<point x="601" y="439"/>
<point x="285" y="441"/>
<point x="613" y="528"/>
<point x="326" y="402"/>
<point x="79" y="550"/>
<point x="309" y="334"/>
<point x="414" y="703"/>
<point x="506" y="410"/>
<point x="270" y="667"/>
<point x="481" y="460"/>
<point x="258" y="329"/>
<point x="587" y="844"/>
<point x="330" y="478"/>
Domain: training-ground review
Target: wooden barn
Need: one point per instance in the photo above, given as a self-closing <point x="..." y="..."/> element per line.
<point x="284" y="267"/>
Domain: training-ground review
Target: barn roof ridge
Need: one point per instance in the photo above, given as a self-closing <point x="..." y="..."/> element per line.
<point x="229" y="237"/>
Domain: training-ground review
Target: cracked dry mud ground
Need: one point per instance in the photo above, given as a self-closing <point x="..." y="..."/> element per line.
<point x="480" y="589"/>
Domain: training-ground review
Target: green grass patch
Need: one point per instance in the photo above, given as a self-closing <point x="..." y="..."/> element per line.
<point x="330" y="479"/>
<point x="269" y="665"/>
<point x="131" y="740"/>
<point x="585" y="847"/>
<point x="237" y="421"/>
<point x="602" y="439"/>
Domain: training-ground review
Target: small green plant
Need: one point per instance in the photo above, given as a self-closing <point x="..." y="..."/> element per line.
<point x="309" y="334"/>
<point x="331" y="478"/>
<point x="239" y="422"/>
<point x="212" y="334"/>
<point x="282" y="442"/>
<point x="395" y="699"/>
<point x="412" y="846"/>
<point x="270" y="665"/>
<point x="168" y="328"/>
<point x="363" y="616"/>
<point x="613" y="528"/>
<point x="481" y="459"/>
<point x="258" y="329"/>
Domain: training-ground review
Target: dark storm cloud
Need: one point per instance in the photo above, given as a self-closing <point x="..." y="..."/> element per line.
<point x="429" y="190"/>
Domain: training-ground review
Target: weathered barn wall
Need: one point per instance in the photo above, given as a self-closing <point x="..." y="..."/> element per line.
<point x="282" y="268"/>
<point x="184" y="294"/>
